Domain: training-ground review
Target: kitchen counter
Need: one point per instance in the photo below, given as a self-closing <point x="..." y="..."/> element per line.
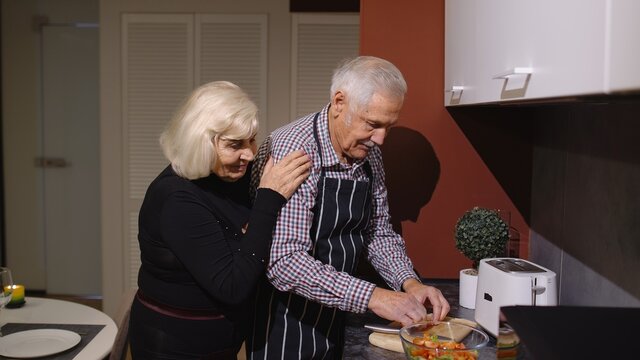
<point x="562" y="325"/>
<point x="357" y="344"/>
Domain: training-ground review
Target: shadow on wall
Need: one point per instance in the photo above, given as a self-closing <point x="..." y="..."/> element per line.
<point x="412" y="172"/>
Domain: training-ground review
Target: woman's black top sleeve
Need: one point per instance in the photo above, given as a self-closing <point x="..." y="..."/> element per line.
<point x="193" y="250"/>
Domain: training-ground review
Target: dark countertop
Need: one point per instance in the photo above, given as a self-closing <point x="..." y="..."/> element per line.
<point x="545" y="330"/>
<point x="357" y="344"/>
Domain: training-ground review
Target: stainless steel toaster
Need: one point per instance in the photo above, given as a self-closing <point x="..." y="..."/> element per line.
<point x="511" y="281"/>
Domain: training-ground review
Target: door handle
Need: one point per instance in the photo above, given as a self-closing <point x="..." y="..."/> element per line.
<point x="517" y="71"/>
<point x="45" y="162"/>
<point x="455" y="88"/>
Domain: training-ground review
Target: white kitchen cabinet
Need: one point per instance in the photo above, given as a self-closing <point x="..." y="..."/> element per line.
<point x="506" y="50"/>
<point x="459" y="50"/>
<point x="623" y="60"/>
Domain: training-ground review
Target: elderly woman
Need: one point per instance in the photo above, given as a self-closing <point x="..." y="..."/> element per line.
<point x="203" y="245"/>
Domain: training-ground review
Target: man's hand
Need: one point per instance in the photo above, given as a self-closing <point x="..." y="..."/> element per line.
<point x="397" y="306"/>
<point x="423" y="293"/>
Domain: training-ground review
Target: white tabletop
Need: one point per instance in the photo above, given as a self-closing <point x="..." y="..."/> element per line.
<point x="50" y="311"/>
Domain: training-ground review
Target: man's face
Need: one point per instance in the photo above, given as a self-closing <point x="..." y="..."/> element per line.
<point x="356" y="132"/>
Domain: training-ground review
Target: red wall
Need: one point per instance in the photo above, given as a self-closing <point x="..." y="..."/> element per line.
<point x="410" y="33"/>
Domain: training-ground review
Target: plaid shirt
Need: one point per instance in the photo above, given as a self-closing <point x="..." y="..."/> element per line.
<point x="290" y="267"/>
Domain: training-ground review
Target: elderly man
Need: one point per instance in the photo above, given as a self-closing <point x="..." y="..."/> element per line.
<point x="340" y="211"/>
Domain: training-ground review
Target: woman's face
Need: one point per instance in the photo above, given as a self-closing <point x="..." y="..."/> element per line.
<point x="233" y="157"/>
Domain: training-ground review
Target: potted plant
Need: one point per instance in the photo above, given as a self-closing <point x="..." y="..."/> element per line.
<point x="480" y="233"/>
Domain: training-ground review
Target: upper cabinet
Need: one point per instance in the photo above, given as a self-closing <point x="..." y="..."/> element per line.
<point x="506" y="50"/>
<point x="623" y="56"/>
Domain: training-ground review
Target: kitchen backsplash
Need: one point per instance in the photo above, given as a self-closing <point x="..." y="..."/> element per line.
<point x="585" y="193"/>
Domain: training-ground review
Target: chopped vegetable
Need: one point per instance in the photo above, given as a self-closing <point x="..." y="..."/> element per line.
<point x="436" y="349"/>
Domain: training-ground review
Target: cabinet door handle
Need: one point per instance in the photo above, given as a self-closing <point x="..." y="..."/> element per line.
<point x="455" y="88"/>
<point x="516" y="71"/>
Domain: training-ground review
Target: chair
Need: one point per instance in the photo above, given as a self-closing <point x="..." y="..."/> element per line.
<point x="121" y="343"/>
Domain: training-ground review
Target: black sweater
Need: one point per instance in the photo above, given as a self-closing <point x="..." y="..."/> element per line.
<point x="194" y="254"/>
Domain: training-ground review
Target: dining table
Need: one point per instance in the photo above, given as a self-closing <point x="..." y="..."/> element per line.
<point x="97" y="331"/>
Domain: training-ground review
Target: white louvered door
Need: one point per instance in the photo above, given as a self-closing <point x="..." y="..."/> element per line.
<point x="158" y="53"/>
<point x="319" y="43"/>
<point x="165" y="56"/>
<point x="234" y="48"/>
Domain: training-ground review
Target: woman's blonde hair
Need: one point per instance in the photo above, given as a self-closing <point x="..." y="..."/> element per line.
<point x="213" y="110"/>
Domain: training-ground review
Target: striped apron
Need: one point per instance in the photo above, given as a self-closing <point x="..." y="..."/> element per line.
<point x="288" y="326"/>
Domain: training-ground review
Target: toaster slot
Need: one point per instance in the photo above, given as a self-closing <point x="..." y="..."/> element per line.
<point x="515" y="265"/>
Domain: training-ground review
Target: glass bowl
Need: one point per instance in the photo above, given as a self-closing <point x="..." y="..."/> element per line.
<point x="442" y="340"/>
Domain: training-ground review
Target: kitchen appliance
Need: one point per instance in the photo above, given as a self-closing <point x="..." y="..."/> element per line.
<point x="511" y="281"/>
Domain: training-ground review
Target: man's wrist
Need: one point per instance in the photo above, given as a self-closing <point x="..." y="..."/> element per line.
<point x="410" y="283"/>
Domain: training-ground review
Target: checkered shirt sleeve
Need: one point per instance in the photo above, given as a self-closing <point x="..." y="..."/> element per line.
<point x="290" y="267"/>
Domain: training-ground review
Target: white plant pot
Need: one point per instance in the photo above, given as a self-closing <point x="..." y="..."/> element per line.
<point x="468" y="286"/>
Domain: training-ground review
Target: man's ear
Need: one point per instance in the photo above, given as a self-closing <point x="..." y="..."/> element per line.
<point x="338" y="102"/>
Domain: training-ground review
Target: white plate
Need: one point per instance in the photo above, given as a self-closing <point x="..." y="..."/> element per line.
<point x="36" y="343"/>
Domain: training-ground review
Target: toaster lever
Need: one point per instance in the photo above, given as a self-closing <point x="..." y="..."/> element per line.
<point x="535" y="290"/>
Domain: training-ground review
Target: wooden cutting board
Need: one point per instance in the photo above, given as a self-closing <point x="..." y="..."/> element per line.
<point x="392" y="341"/>
<point x="386" y="341"/>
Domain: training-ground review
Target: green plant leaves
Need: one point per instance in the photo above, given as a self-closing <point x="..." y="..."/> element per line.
<point x="480" y="233"/>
